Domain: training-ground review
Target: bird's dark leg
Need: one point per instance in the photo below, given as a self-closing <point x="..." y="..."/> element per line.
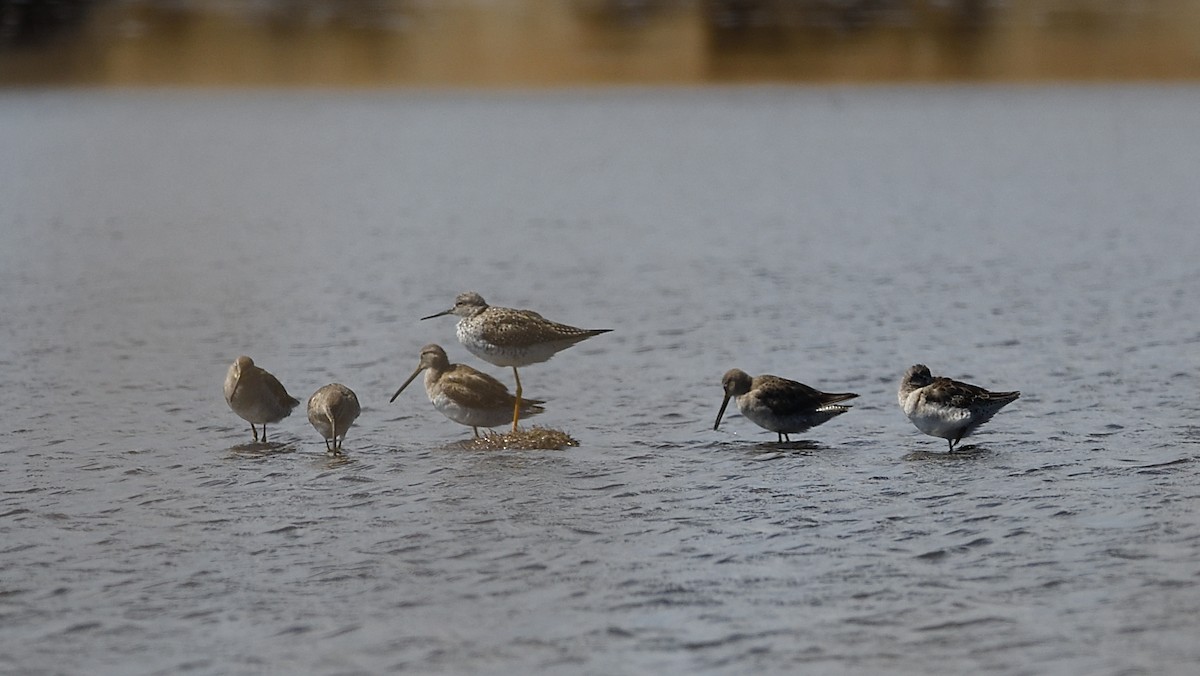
<point x="264" y="433"/>
<point x="476" y="432"/>
<point x="254" y="431"/>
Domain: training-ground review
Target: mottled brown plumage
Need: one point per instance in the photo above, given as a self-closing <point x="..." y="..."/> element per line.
<point x="945" y="408"/>
<point x="464" y="395"/>
<point x="256" y="395"/>
<point x="780" y="405"/>
<point x="507" y="337"/>
<point x="331" y="411"/>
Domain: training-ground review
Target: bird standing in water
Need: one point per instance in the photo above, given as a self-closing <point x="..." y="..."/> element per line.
<point x="256" y="395"/>
<point x="464" y="395"/>
<point x="950" y="409"/>
<point x="777" y="404"/>
<point x="332" y="410"/>
<point x="507" y="337"/>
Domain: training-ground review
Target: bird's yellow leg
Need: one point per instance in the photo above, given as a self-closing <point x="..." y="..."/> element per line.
<point x="517" y="401"/>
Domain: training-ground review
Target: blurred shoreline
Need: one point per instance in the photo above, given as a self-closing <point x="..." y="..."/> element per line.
<point x="535" y="43"/>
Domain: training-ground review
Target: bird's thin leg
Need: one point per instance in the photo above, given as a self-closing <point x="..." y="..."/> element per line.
<point x="517" y="401"/>
<point x="476" y="432"/>
<point x="951" y="444"/>
<point x="264" y="433"/>
<point x="254" y="431"/>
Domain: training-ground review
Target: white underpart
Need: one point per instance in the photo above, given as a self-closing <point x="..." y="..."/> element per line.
<point x="472" y="417"/>
<point x="936" y="420"/>
<point x="786" y="424"/>
<point x="508" y="356"/>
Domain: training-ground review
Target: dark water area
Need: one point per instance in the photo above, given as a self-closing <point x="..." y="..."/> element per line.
<point x="1040" y="239"/>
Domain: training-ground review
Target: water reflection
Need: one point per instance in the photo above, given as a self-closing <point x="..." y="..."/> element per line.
<point x="547" y="42"/>
<point x="259" y="449"/>
<point x="963" y="454"/>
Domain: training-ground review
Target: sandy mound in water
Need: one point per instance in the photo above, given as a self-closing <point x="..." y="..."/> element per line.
<point x="534" y="438"/>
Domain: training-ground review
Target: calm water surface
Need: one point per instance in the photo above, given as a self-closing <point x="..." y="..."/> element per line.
<point x="1037" y="239"/>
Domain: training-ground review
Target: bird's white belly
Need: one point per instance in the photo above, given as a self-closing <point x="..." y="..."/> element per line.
<point x="788" y="423"/>
<point x="936" y="420"/>
<point x="507" y="356"/>
<point x="473" y="417"/>
<point x="762" y="416"/>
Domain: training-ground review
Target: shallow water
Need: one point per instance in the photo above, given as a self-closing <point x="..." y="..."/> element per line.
<point x="1036" y="239"/>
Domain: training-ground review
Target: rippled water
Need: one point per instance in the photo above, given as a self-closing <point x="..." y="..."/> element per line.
<point x="1037" y="239"/>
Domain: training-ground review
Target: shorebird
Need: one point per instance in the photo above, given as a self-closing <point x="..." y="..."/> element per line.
<point x="780" y="405"/>
<point x="941" y="407"/>
<point x="332" y="410"/>
<point x="256" y="396"/>
<point x="465" y="395"/>
<point x="507" y="337"/>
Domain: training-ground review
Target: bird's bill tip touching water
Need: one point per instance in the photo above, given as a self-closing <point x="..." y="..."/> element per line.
<point x="406" y="382"/>
<point x="721" y="413"/>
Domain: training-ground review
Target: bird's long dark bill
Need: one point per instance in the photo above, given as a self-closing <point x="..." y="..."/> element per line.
<point x="440" y="314"/>
<point x="721" y="413"/>
<point x="410" y="379"/>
